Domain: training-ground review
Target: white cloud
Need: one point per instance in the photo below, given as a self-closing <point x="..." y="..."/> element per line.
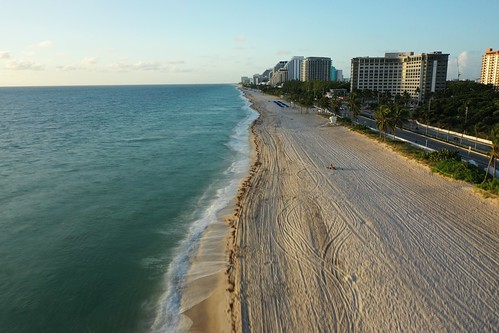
<point x="120" y="66"/>
<point x="463" y="59"/>
<point x="89" y="61"/>
<point x="4" y="55"/>
<point x="45" y="44"/>
<point x="67" y="68"/>
<point x="240" y="38"/>
<point x="148" y="66"/>
<point x="124" y="66"/>
<point x="467" y="62"/>
<point x="23" y="65"/>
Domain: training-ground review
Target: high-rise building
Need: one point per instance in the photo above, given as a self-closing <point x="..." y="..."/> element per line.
<point x="245" y="80"/>
<point x="333" y="73"/>
<point x="257" y="79"/>
<point x="266" y="75"/>
<point x="279" y="65"/>
<point x="339" y="75"/>
<point x="419" y="75"/>
<point x="490" y="68"/>
<point x="316" y="68"/>
<point x="294" y="68"/>
<point x="279" y="77"/>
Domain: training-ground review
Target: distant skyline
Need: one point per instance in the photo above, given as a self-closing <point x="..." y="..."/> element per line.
<point x="91" y="42"/>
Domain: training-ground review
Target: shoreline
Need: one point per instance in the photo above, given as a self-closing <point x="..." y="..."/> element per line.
<point x="216" y="313"/>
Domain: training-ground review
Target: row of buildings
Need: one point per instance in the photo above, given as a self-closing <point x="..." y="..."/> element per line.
<point x="419" y="75"/>
<point x="297" y="68"/>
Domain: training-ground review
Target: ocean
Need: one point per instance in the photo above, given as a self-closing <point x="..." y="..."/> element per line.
<point x="105" y="192"/>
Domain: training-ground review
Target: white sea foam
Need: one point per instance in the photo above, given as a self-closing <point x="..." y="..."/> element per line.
<point x="169" y="317"/>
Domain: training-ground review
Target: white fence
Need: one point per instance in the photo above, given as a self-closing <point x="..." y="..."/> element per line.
<point x="469" y="137"/>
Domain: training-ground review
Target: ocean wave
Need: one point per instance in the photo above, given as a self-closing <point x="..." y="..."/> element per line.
<point x="146" y="139"/>
<point x="172" y="304"/>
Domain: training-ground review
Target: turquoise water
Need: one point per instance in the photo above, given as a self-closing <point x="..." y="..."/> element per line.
<point x="103" y="192"/>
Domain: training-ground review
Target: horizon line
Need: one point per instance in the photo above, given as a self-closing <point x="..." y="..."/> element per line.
<point x="115" y="85"/>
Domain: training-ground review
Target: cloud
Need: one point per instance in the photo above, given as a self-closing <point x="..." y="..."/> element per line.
<point x="467" y="62"/>
<point x="463" y="59"/>
<point x="124" y="66"/>
<point x="67" y="68"/>
<point x="177" y="62"/>
<point x="241" y="39"/>
<point x="120" y="66"/>
<point x="21" y="65"/>
<point x="4" y="55"/>
<point x="45" y="44"/>
<point x="148" y="66"/>
<point x="89" y="61"/>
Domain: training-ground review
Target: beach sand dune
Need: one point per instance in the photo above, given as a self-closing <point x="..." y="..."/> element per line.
<point x="378" y="245"/>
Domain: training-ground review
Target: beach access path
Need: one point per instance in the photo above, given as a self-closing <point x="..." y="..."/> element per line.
<point x="378" y="245"/>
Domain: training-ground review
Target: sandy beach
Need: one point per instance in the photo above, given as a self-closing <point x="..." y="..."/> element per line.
<point x="378" y="245"/>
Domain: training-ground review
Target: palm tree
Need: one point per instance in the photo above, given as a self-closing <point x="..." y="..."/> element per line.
<point x="382" y="119"/>
<point x="406" y="98"/>
<point x="354" y="104"/>
<point x="398" y="117"/>
<point x="323" y="102"/>
<point x="336" y="104"/>
<point x="494" y="151"/>
<point x="366" y="94"/>
<point x="307" y="102"/>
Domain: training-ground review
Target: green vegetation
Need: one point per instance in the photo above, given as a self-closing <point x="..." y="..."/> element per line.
<point x="311" y="90"/>
<point x="491" y="186"/>
<point x="463" y="106"/>
<point x="382" y="117"/>
<point x="459" y="170"/>
<point x="390" y="116"/>
<point x="438" y="156"/>
<point x="494" y="151"/>
<point x="303" y="93"/>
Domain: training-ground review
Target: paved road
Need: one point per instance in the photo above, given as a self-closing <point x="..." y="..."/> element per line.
<point x="446" y="136"/>
<point x="433" y="143"/>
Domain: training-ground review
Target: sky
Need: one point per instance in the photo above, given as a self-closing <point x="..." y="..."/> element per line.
<point x="110" y="42"/>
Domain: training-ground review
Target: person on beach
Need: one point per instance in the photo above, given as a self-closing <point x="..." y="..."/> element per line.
<point x="331" y="166"/>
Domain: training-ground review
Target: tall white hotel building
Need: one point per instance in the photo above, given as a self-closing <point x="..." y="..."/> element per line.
<point x="490" y="68"/>
<point x="294" y="68"/>
<point x="419" y="75"/>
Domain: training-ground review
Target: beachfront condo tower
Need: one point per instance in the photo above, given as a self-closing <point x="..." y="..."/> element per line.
<point x="419" y="75"/>
<point x="294" y="68"/>
<point x="490" y="68"/>
<point x="316" y="69"/>
<point x="279" y="77"/>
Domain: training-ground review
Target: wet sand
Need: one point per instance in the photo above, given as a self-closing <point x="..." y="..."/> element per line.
<point x="378" y="245"/>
